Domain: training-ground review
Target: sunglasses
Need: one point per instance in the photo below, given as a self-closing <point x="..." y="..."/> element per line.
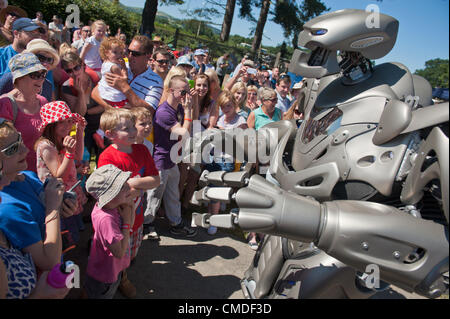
<point x="74" y="69"/>
<point x="183" y="92"/>
<point x="38" y="75"/>
<point x="45" y="59"/>
<point x="13" y="148"/>
<point x="13" y="14"/>
<point x="86" y="30"/>
<point x="135" y="53"/>
<point x="163" y="61"/>
<point x="272" y="100"/>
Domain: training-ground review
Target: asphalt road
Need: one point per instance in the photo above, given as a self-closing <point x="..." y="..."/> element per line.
<point x="203" y="267"/>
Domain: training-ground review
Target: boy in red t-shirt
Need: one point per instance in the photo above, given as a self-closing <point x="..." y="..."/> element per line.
<point x="119" y="127"/>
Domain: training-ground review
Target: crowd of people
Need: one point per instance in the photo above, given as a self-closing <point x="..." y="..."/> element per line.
<point x="73" y="97"/>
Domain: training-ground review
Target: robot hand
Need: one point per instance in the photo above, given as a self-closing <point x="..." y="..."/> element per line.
<point x="411" y="253"/>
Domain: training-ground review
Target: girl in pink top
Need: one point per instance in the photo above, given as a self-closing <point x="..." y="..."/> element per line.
<point x="57" y="151"/>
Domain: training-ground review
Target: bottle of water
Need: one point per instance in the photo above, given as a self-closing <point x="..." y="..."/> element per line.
<point x="58" y="275"/>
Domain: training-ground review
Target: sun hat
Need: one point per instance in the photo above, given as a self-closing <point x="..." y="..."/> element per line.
<point x="38" y="45"/>
<point x="249" y="63"/>
<point x="18" y="11"/>
<point x="200" y="52"/>
<point x="105" y="183"/>
<point x="24" y="24"/>
<point x="184" y="60"/>
<point x="24" y="63"/>
<point x="57" y="111"/>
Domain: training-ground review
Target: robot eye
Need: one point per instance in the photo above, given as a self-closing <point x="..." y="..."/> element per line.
<point x="319" y="32"/>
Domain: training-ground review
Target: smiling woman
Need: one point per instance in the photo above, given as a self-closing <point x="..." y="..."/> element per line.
<point x="24" y="222"/>
<point x="21" y="106"/>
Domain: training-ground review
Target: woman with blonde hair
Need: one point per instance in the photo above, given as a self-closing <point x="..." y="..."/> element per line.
<point x="252" y="97"/>
<point x="239" y="91"/>
<point x="224" y="162"/>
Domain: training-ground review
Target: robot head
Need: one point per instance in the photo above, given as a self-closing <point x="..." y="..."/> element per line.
<point x="370" y="35"/>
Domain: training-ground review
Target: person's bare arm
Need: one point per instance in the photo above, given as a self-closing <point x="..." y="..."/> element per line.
<point x="85" y="50"/>
<point x="47" y="253"/>
<point x="232" y="81"/>
<point x="97" y="98"/>
<point x="119" y="248"/>
<point x="251" y="120"/>
<point x="120" y="82"/>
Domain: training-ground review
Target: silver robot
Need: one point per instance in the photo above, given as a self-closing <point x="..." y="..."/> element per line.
<point x="356" y="198"/>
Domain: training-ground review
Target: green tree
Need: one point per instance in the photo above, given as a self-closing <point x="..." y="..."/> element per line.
<point x="290" y="14"/>
<point x="113" y="13"/>
<point x="436" y="72"/>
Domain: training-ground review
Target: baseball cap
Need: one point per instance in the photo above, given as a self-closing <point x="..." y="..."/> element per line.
<point x="105" y="183"/>
<point x="24" y="24"/>
<point x="200" y="52"/>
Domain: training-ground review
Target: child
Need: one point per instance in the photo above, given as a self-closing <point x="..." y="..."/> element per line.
<point x="57" y="151"/>
<point x="119" y="127"/>
<point x="112" y="218"/>
<point x="229" y="119"/>
<point x="144" y="125"/>
<point x="111" y="52"/>
<point x="90" y="52"/>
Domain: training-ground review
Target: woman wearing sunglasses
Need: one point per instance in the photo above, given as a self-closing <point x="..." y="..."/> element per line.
<point x="48" y="57"/>
<point x="29" y="231"/>
<point x="267" y="112"/>
<point x="22" y="105"/>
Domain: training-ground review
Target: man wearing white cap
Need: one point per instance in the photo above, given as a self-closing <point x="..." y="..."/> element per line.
<point x="24" y="30"/>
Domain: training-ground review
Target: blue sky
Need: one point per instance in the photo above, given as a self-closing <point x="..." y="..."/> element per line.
<point x="423" y="33"/>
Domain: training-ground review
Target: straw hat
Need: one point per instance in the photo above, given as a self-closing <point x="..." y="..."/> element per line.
<point x="19" y="11"/>
<point x="38" y="45"/>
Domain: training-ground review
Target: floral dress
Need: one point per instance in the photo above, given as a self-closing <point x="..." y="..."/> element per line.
<point x="20" y="272"/>
<point x="70" y="176"/>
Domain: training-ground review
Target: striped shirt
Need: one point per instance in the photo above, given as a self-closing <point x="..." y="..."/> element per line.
<point x="148" y="86"/>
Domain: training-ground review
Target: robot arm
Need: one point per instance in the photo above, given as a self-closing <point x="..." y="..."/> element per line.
<point x="410" y="252"/>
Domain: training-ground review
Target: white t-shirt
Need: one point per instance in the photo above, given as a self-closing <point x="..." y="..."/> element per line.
<point x="108" y="92"/>
<point x="92" y="58"/>
<point x="235" y="123"/>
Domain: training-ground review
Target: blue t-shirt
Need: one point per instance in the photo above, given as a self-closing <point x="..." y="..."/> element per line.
<point x="6" y="53"/>
<point x="22" y="211"/>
